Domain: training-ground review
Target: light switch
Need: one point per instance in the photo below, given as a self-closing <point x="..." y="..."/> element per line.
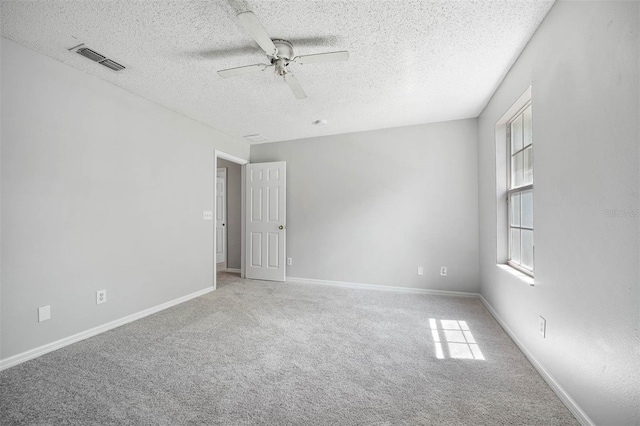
<point x="207" y="215"/>
<point x="542" y="327"/>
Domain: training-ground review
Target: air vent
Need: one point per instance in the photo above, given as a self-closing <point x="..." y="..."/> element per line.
<point x="101" y="59"/>
<point x="256" y="138"/>
<point x="94" y="56"/>
<point x="113" y="65"/>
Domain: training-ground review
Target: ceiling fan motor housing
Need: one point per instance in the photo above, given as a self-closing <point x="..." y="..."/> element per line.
<point x="284" y="56"/>
<point x="285" y="49"/>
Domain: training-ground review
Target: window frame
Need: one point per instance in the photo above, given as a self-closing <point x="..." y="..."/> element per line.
<point x="519" y="190"/>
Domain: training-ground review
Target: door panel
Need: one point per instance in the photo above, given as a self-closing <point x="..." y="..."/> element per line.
<point x="256" y="250"/>
<point x="266" y="220"/>
<point x="256" y="204"/>
<point x="274" y="212"/>
<point x="273" y="250"/>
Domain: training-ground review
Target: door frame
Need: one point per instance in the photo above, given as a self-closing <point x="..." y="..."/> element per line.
<point x="242" y="162"/>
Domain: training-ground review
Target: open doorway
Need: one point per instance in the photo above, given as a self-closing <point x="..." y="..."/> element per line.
<point x="228" y="234"/>
<point x="228" y="216"/>
<point x="263" y="200"/>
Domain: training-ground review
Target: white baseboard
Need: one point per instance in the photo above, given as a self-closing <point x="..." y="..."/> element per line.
<point x="551" y="381"/>
<point x="50" y="347"/>
<point x="380" y="287"/>
<point x="233" y="270"/>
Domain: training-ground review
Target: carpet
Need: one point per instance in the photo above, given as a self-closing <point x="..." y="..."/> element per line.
<point x="265" y="353"/>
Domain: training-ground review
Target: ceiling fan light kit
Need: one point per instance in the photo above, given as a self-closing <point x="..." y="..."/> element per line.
<point x="280" y="55"/>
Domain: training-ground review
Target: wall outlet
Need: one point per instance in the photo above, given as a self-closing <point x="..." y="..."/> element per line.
<point x="207" y="215"/>
<point x="420" y="270"/>
<point x="542" y="327"/>
<point x="101" y="296"/>
<point x="289" y="261"/>
<point x="443" y="271"/>
<point x="44" y="313"/>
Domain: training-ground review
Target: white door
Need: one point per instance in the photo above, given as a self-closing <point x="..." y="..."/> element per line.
<point x="265" y="221"/>
<point x="221" y="215"/>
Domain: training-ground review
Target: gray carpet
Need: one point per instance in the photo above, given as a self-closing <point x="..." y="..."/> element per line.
<point x="272" y="353"/>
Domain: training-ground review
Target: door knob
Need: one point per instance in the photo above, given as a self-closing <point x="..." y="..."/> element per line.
<point x="223" y="224"/>
<point x="280" y="227"/>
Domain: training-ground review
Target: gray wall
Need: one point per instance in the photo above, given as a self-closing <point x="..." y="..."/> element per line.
<point x="583" y="67"/>
<point x="234" y="212"/>
<point x="371" y="207"/>
<point x="101" y="189"/>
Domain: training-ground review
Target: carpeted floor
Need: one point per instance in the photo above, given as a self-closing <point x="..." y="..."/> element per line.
<point x="273" y="353"/>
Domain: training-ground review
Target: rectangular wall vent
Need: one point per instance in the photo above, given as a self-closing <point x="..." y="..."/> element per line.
<point x="101" y="59"/>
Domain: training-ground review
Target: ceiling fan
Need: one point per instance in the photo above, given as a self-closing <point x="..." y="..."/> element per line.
<point x="280" y="55"/>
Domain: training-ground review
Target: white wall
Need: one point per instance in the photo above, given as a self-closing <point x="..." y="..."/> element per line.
<point x="371" y="207"/>
<point x="234" y="212"/>
<point x="582" y="64"/>
<point x="101" y="189"/>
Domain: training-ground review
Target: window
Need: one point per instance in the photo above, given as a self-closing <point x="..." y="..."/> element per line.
<point x="520" y="191"/>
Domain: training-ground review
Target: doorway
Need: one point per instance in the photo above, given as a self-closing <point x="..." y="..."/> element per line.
<point x="262" y="218"/>
<point x="221" y="216"/>
<point x="228" y="233"/>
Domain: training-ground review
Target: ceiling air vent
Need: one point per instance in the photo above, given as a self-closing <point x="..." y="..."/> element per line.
<point x="113" y="65"/>
<point x="94" y="56"/>
<point x="256" y="138"/>
<point x="101" y="59"/>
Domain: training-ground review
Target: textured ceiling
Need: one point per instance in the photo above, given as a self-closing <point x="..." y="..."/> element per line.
<point x="411" y="62"/>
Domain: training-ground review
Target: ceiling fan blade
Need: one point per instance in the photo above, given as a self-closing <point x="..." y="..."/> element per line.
<point x="322" y="57"/>
<point x="238" y="49"/>
<point x="295" y="87"/>
<point x="224" y="52"/>
<point x="232" y="72"/>
<point x="250" y="21"/>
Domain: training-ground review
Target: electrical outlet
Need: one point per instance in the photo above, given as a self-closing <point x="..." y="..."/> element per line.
<point x="289" y="261"/>
<point x="207" y="215"/>
<point x="542" y="327"/>
<point x="101" y="296"/>
<point x="420" y="270"/>
<point x="443" y="271"/>
<point x="44" y="313"/>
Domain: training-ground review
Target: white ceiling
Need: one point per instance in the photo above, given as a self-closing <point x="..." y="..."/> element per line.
<point x="411" y="62"/>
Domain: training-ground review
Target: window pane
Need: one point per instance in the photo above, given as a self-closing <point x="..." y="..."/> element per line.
<point x="516" y="135"/>
<point x="527" y="127"/>
<point x="514" y="206"/>
<point x="514" y="253"/>
<point x="527" y="209"/>
<point x="517" y="170"/>
<point x="528" y="166"/>
<point x="527" y="249"/>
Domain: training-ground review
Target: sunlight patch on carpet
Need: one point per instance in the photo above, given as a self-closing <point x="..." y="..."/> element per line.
<point x="453" y="339"/>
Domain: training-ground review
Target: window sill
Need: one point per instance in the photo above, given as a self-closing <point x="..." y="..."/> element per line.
<point x="520" y="275"/>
